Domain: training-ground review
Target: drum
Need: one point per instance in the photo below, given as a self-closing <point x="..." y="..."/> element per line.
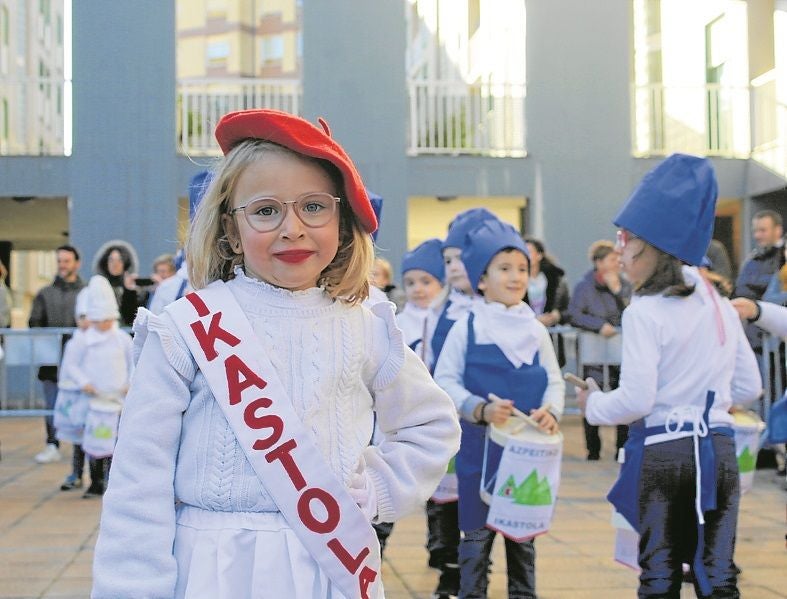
<point x="101" y="428"/>
<point x="520" y="477"/>
<point x="748" y="428"/>
<point x="69" y="414"/>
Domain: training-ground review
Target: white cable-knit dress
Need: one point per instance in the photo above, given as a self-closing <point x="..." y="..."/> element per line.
<point x="186" y="516"/>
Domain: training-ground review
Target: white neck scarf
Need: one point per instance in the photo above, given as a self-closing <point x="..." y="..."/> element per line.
<point x="511" y="329"/>
<point x="461" y="304"/>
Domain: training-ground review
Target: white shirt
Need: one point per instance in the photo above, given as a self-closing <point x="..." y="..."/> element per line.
<point x="450" y="369"/>
<point x="167" y="291"/>
<point x="101" y="359"/>
<point x="341" y="366"/>
<point x="773" y="318"/>
<point x="412" y="321"/>
<point x="672" y="356"/>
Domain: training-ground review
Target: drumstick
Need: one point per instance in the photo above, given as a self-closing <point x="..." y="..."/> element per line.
<point x="516" y="412"/>
<point x="576" y="381"/>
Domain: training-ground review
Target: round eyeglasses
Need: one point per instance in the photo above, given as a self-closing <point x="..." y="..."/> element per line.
<point x="266" y="214"/>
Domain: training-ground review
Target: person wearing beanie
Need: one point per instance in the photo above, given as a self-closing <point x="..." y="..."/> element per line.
<point x="685" y="363"/>
<point x="66" y="382"/>
<point x="422" y="278"/>
<point x="496" y="357"/>
<point x="100" y="366"/>
<point x="255" y="395"/>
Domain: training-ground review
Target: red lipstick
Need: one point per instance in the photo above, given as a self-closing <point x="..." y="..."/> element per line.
<point x="293" y="256"/>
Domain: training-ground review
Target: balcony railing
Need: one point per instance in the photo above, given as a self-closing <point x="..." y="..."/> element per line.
<point x="448" y="117"/>
<point x="202" y="102"/>
<point x="710" y="120"/>
<point x="769" y="124"/>
<point x="32" y="116"/>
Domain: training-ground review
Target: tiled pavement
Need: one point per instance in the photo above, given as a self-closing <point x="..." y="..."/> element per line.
<point x="47" y="536"/>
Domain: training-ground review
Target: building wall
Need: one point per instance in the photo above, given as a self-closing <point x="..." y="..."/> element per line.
<point x="123" y="164"/>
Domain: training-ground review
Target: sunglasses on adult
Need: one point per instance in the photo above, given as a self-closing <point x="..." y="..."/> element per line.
<point x="267" y="213"/>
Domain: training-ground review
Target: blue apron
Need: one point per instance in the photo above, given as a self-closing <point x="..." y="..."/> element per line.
<point x="487" y="370"/>
<point x="624" y="494"/>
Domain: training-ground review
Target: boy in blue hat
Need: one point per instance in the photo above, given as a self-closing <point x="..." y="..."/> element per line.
<point x="685" y="361"/>
<point x="498" y="348"/>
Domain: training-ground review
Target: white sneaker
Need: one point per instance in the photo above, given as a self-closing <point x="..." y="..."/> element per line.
<point x="50" y="454"/>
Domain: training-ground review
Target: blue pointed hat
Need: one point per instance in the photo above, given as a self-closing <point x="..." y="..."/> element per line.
<point x="377" y="207"/>
<point x="428" y="257"/>
<point x="463" y="223"/>
<point x="673" y="207"/>
<point x="486" y="240"/>
<point x="197" y="187"/>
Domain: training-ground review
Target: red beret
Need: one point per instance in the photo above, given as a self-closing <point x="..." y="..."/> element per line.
<point x="302" y="137"/>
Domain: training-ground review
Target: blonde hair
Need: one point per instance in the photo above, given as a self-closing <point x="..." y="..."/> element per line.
<point x="600" y="249"/>
<point x="210" y="256"/>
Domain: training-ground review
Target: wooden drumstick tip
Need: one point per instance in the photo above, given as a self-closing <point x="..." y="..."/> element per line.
<point x="576" y="381"/>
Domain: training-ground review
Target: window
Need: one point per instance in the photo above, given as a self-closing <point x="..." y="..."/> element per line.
<point x="272" y="49"/>
<point x="218" y="53"/>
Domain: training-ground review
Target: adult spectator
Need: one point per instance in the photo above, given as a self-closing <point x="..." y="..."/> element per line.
<point x="5" y="298"/>
<point x="53" y="306"/>
<point x="163" y="268"/>
<point x="547" y="291"/>
<point x="597" y="305"/>
<point x="117" y="261"/>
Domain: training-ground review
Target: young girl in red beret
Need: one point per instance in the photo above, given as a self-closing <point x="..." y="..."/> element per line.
<point x="243" y="466"/>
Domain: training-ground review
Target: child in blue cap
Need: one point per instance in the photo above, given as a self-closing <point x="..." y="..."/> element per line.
<point x="422" y="278"/>
<point x="454" y="302"/>
<point x="685" y="361"/>
<point x="498" y="348"/>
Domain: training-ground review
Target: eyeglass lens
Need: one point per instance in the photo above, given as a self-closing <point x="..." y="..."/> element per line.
<point x="314" y="210"/>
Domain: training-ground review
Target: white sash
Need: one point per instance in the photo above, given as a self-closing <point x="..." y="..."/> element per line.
<point x="282" y="452"/>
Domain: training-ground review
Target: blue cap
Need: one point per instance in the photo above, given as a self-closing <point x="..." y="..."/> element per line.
<point x="777" y="422"/>
<point x="428" y="257"/>
<point x="673" y="208"/>
<point x="377" y="207"/>
<point x="463" y="223"/>
<point x="197" y="187"/>
<point x="484" y="242"/>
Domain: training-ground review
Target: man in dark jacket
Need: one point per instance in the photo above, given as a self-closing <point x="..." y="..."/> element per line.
<point x="597" y="305"/>
<point x="53" y="306"/>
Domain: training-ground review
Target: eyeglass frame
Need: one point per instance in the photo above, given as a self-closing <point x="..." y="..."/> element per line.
<point x="232" y="211"/>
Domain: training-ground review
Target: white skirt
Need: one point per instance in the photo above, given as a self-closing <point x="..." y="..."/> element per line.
<point x="245" y="555"/>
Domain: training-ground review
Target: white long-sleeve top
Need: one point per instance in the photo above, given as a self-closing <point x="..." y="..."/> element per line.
<point x="773" y="318"/>
<point x="338" y="363"/>
<point x="167" y="291"/>
<point x="450" y="369"/>
<point x="101" y="359"/>
<point x="412" y="321"/>
<point x="672" y="356"/>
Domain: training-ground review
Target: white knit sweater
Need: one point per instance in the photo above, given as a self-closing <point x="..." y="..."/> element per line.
<point x="339" y="365"/>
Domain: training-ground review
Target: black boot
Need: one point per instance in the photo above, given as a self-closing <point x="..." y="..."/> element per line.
<point x="448" y="585"/>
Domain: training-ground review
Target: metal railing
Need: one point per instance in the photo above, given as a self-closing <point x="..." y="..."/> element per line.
<point x="709" y="120"/>
<point x="769" y="124"/>
<point x="34" y="109"/>
<point x="202" y="102"/>
<point x="28" y="349"/>
<point x="450" y="117"/>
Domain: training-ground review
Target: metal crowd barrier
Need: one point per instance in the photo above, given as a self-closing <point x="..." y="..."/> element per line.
<point x="27" y="349"/>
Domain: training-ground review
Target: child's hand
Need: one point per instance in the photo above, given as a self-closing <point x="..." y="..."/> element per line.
<point x="362" y="490"/>
<point x="89" y="389"/>
<point x="546" y="421"/>
<point x="582" y="394"/>
<point x="497" y="411"/>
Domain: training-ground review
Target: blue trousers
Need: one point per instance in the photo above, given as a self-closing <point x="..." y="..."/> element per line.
<point x="668" y="520"/>
<point x="474" y="551"/>
<point x="50" y="396"/>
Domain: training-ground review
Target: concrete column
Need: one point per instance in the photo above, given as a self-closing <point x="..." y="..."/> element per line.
<point x="578" y="119"/>
<point x="123" y="164"/>
<point x="354" y="77"/>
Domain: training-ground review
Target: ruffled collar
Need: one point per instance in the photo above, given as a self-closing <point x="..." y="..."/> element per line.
<point x="510" y="328"/>
<point x="256" y="293"/>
